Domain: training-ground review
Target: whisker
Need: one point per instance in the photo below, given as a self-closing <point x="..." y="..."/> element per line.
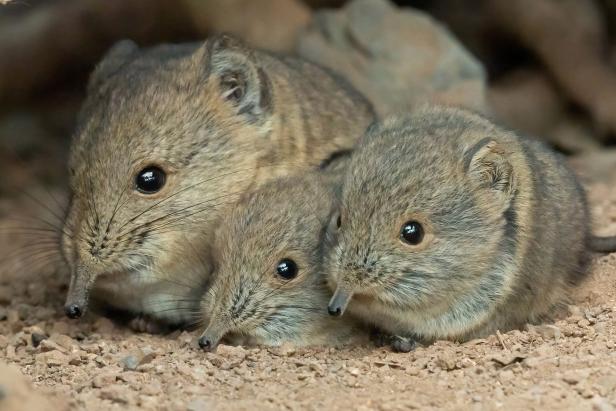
<point x="176" y="212"/>
<point x="116" y="208"/>
<point x="153" y="206"/>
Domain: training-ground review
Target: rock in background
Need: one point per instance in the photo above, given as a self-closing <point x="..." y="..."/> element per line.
<point x="16" y="393"/>
<point x="552" y="57"/>
<point x="398" y="57"/>
<point x="268" y="24"/>
<point x="543" y="67"/>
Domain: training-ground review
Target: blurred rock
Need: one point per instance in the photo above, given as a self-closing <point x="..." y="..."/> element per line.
<point x="53" y="358"/>
<point x="574" y="135"/>
<point x="597" y="166"/>
<point x="130" y="362"/>
<point x="46" y="345"/>
<point x="528" y="101"/>
<point x="18" y="394"/>
<point x="104" y="325"/>
<point x="446" y="361"/>
<point x="117" y="393"/>
<point x="138" y="357"/>
<point x="81" y="31"/>
<point x="547" y="331"/>
<point x="398" y="57"/>
<point x="570" y="38"/>
<point x="234" y="354"/>
<point x="5" y="294"/>
<point x="105" y="378"/>
<point x="30" y="152"/>
<point x="37" y="338"/>
<point x="22" y="132"/>
<point x="64" y="341"/>
<point x="268" y="24"/>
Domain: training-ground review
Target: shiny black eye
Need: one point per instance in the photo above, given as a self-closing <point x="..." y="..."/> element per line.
<point x="150" y="180"/>
<point x="287" y="269"/>
<point x="412" y="232"/>
<point x="339" y="221"/>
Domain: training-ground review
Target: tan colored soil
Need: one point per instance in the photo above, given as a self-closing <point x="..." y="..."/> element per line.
<point x="92" y="364"/>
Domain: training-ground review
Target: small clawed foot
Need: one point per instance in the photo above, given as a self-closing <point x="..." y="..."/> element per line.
<point x="397" y="343"/>
<point x="144" y="324"/>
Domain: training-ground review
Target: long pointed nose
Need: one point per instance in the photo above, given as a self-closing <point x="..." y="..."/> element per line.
<point x="338" y="303"/>
<point x="78" y="293"/>
<point x="210" y="338"/>
<point x="73" y="311"/>
<point x="207" y="343"/>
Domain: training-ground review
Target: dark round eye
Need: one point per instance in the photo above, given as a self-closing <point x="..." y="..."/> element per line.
<point x="287" y="269"/>
<point x="339" y="221"/>
<point x="412" y="232"/>
<point x="150" y="180"/>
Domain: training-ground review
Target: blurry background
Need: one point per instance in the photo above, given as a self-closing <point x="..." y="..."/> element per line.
<point x="545" y="67"/>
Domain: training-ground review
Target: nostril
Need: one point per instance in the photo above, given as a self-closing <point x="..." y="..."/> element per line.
<point x="205" y="343"/>
<point x="73" y="311"/>
<point x="334" y="311"/>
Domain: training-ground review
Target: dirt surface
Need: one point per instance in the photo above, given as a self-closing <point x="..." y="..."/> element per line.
<point x="94" y="365"/>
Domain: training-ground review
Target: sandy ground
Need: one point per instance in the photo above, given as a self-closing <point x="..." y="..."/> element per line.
<point x="94" y="365"/>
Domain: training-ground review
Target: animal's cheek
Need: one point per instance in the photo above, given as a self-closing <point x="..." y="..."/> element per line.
<point x="209" y="299"/>
<point x="68" y="246"/>
<point x="332" y="277"/>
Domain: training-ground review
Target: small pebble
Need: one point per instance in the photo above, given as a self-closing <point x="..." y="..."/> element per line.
<point x="130" y="362"/>
<point x="37" y="338"/>
<point x="63" y="341"/>
<point x="6" y="294"/>
<point x="46" y="345"/>
<point x="571" y="378"/>
<point x="547" y="331"/>
<point x="60" y="327"/>
<point x="446" y="361"/>
<point x="52" y="358"/>
<point x="24" y="311"/>
<point x="104" y="379"/>
<point x="354" y="371"/>
<point x="583" y="323"/>
<point x="232" y="352"/>
<point x="12" y="316"/>
<point x="104" y="325"/>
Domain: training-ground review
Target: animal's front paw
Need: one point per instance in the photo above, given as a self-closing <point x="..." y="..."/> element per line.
<point x="397" y="343"/>
<point x="145" y="324"/>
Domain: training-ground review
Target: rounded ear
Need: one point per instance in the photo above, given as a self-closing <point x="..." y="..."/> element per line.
<point x="240" y="78"/>
<point x="487" y="164"/>
<point x="119" y="54"/>
<point x="373" y="127"/>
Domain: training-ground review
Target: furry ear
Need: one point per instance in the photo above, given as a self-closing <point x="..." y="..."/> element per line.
<point x="119" y="54"/>
<point x="373" y="127"/>
<point x="487" y="164"/>
<point x="241" y="80"/>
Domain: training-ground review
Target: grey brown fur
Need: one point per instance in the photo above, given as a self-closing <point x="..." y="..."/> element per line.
<point x="506" y="228"/>
<point x="248" y="301"/>
<point x="219" y="118"/>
